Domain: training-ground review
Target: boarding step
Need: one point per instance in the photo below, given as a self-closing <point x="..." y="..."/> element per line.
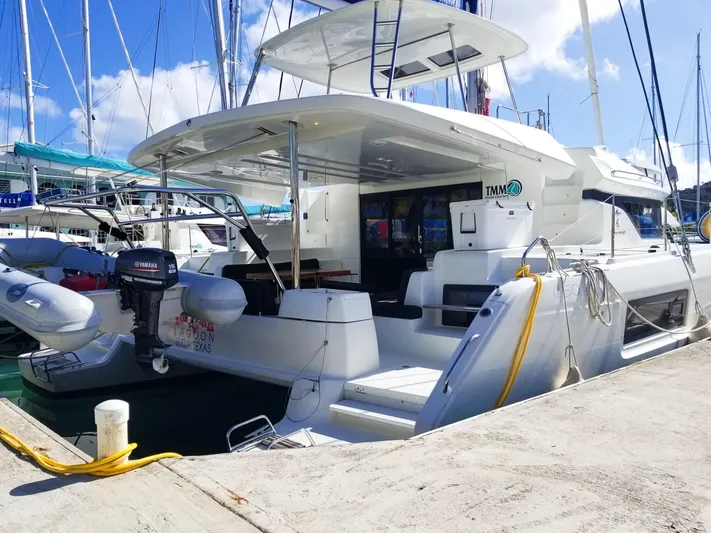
<point x="391" y="423"/>
<point x="405" y="388"/>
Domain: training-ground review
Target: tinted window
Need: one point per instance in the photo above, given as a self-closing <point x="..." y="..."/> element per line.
<point x="215" y="233"/>
<point x="405" y="225"/>
<point x="664" y="310"/>
<point x="374" y="214"/>
<point x="447" y="58"/>
<point x="408" y="69"/>
<point x="435" y="212"/>
<point x="646" y="217"/>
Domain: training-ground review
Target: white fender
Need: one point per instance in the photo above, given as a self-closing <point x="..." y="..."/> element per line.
<point x="211" y="298"/>
<point x="57" y="317"/>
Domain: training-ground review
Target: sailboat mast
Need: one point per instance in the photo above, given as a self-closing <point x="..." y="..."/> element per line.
<point x="29" y="95"/>
<point x="87" y="86"/>
<point x="220" y="51"/>
<point x="698" y="125"/>
<point x="235" y="25"/>
<point x="592" y="76"/>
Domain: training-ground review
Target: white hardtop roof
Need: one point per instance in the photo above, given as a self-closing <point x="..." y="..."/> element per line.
<point x="342" y="42"/>
<point x="348" y="137"/>
<point x="65" y="217"/>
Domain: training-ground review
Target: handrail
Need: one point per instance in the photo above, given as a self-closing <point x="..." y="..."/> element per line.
<point x="305" y="431"/>
<point x="191" y="193"/>
<point x="445" y="388"/>
<point x="540" y="124"/>
<point x="251" y="437"/>
<point x="530" y="247"/>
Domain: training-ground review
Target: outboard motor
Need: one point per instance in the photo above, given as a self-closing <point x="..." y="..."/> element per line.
<point x="143" y="276"/>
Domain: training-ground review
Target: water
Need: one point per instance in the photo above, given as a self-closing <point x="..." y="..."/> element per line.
<point x="187" y="415"/>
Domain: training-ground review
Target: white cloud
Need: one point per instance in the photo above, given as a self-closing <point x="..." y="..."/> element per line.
<point x="44" y="105"/>
<point x="180" y="93"/>
<point x="610" y="69"/>
<point x="12" y="134"/>
<point x="685" y="164"/>
<point x="547" y="26"/>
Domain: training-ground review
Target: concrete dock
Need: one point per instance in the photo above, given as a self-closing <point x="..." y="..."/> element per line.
<point x="630" y="451"/>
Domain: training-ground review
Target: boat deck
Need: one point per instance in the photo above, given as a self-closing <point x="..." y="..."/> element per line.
<point x="627" y="451"/>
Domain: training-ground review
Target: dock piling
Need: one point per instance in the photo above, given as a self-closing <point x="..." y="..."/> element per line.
<point x="111" y="419"/>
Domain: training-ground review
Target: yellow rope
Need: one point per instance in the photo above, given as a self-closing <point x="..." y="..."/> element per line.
<point x="110" y="466"/>
<point x="520" y="352"/>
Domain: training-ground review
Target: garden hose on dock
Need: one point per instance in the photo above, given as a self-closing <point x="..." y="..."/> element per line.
<point x="522" y="345"/>
<point x="110" y="466"/>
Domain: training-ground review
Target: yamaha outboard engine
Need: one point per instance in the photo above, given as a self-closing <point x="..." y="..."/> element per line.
<point x="143" y="276"/>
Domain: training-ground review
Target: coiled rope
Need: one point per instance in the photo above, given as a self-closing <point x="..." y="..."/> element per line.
<point x="110" y="466"/>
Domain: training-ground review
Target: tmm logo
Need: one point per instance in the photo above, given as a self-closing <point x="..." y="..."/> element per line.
<point x="512" y="188"/>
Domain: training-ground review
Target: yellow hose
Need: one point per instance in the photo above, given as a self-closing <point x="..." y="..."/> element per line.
<point x="520" y="352"/>
<point x="110" y="466"/>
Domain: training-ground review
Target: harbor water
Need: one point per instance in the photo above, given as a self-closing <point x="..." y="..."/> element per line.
<point x="188" y="415"/>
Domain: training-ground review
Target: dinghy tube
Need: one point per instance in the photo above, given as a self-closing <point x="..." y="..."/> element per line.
<point x="59" y="318"/>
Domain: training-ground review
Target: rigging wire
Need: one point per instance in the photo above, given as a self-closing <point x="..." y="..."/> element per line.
<point x="111" y="91"/>
<point x="153" y="70"/>
<point x="641" y="79"/>
<point x="193" y="26"/>
<point x="692" y="70"/>
<point x="672" y="174"/>
<point x="166" y="51"/>
<point x="704" y="102"/>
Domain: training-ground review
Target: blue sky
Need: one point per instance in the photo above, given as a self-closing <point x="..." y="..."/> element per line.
<point x="182" y="89"/>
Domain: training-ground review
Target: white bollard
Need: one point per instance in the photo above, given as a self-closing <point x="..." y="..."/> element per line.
<point x="111" y="419"/>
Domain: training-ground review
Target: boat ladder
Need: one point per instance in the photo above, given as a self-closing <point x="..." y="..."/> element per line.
<point x="265" y="437"/>
<point x="381" y="42"/>
<point x="45" y="362"/>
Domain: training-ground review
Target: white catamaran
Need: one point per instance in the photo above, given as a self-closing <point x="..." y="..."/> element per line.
<point x="452" y="263"/>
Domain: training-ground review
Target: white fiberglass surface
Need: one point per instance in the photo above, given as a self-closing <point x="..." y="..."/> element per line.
<point x="342" y="42"/>
<point x="349" y="138"/>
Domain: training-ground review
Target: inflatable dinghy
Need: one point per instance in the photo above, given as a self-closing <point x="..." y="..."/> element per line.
<point x="32" y="272"/>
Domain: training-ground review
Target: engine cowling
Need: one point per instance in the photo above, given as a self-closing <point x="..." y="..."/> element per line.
<point x="143" y="276"/>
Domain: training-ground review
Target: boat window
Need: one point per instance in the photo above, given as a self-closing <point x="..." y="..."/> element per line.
<point x="435" y="216"/>
<point x="408" y="69"/>
<point x="666" y="310"/>
<point x="215" y="233"/>
<point x="447" y="58"/>
<point x="375" y="215"/>
<point x="405" y="226"/>
<point x="464" y="296"/>
<point x="646" y="216"/>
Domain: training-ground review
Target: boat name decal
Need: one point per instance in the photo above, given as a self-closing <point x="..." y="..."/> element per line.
<point x="193" y="334"/>
<point x="511" y="188"/>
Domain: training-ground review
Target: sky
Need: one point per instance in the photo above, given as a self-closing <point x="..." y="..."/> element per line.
<point x="183" y="84"/>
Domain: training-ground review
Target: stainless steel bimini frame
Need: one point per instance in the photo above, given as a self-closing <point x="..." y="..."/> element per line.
<point x="76" y="202"/>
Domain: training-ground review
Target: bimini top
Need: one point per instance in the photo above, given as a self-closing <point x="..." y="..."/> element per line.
<point x="339" y="44"/>
<point x="345" y="137"/>
<point x="80" y="164"/>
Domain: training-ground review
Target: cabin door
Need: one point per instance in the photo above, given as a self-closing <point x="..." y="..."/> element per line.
<point x="403" y="230"/>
